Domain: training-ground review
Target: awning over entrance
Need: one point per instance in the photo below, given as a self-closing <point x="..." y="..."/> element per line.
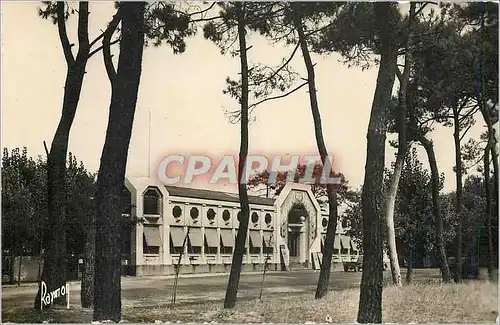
<point x="255" y="238"/>
<point x="152" y="236"/>
<point x="177" y="235"/>
<point x="227" y="237"/>
<point x="195" y="237"/>
<point x="211" y="236"/>
<point x="268" y="240"/>
<point x="345" y="242"/>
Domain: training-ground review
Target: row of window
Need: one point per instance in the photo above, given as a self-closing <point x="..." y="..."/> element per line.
<point x="210" y="242"/>
<point x="226" y="215"/>
<point x="324" y="223"/>
<point x="152" y="205"/>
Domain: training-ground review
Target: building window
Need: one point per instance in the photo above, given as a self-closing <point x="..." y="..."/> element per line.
<point x="255" y="242"/>
<point x="176" y="240"/>
<point x="211" y="214"/>
<point x="324" y="222"/>
<point x="226" y="241"/>
<point x="238" y="216"/>
<point x="255" y="217"/>
<point x="194" y="213"/>
<point x="151" y="240"/>
<point x="226" y="215"/>
<point x="177" y="211"/>
<point x="267" y="218"/>
<point x="335" y="251"/>
<point x="195" y="241"/>
<point x="211" y="242"/>
<point x="152" y="202"/>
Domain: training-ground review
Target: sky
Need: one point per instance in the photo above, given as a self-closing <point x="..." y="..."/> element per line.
<point x="183" y="95"/>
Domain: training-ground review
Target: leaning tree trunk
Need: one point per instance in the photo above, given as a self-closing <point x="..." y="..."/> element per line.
<point x="458" y="202"/>
<point x="436" y="207"/>
<point x="324" y="275"/>
<point x="239" y="249"/>
<point x="400" y="156"/>
<point x="111" y="177"/>
<point x="370" y="300"/>
<point x="55" y="264"/>
<point x="87" y="289"/>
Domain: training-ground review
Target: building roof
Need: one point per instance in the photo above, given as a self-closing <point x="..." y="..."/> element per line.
<point x="215" y="195"/>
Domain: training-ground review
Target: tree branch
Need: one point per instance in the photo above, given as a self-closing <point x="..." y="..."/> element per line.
<point x="102" y="46"/>
<point x="278" y="96"/>
<point x="280" y="68"/>
<point x="465" y="132"/>
<point x="63" y="35"/>
<point x="106" y="46"/>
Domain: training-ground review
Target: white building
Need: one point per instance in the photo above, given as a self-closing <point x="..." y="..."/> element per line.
<point x="288" y="231"/>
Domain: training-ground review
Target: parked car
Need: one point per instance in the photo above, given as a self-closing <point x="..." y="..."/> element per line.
<point x="358" y="264"/>
<point x="355" y="266"/>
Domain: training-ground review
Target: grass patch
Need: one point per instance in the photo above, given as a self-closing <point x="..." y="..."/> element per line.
<point x="431" y="302"/>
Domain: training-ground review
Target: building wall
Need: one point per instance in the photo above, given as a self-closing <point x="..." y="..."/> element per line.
<point x="215" y="217"/>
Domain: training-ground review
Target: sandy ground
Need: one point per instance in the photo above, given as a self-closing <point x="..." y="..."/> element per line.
<point x="157" y="290"/>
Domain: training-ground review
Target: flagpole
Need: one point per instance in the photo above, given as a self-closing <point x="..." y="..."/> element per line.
<point x="149" y="145"/>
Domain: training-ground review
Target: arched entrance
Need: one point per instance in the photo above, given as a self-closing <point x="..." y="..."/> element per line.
<point x="298" y="239"/>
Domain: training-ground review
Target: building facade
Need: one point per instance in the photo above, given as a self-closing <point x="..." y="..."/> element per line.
<point x="199" y="227"/>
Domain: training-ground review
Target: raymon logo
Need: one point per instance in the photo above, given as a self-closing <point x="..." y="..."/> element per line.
<point x="176" y="169"/>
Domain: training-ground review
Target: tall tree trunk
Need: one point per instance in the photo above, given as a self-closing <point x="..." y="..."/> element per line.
<point x="54" y="271"/>
<point x="239" y="250"/>
<point x="458" y="202"/>
<point x="409" y="263"/>
<point x="370" y="300"/>
<point x="19" y="271"/>
<point x="324" y="275"/>
<point x="402" y="148"/>
<point x="88" y="278"/>
<point x="436" y="207"/>
<point x="111" y="177"/>
<point x="491" y="147"/>
<point x="489" y="210"/>
<point x="87" y="289"/>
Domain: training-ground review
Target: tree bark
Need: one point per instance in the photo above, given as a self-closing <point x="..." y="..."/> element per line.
<point x="111" y="177"/>
<point x="239" y="250"/>
<point x="409" y="264"/>
<point x="436" y="208"/>
<point x="459" y="191"/>
<point x="19" y="273"/>
<point x="54" y="271"/>
<point x="370" y="301"/>
<point x="87" y="289"/>
<point x="402" y="148"/>
<point x="324" y="275"/>
<point x="491" y="147"/>
<point x="489" y="210"/>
